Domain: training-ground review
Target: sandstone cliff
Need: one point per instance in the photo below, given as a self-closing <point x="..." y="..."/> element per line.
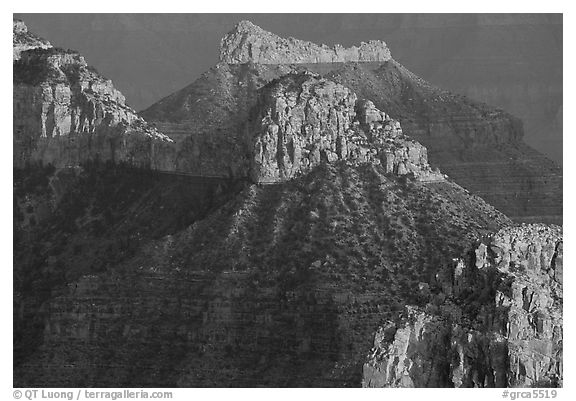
<point x="250" y="43"/>
<point x="497" y="321"/>
<point x="65" y="113"/>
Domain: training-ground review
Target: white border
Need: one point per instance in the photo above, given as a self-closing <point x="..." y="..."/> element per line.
<point x="300" y="6"/>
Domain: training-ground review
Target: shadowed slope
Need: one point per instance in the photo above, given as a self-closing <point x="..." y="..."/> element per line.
<point x="281" y="287"/>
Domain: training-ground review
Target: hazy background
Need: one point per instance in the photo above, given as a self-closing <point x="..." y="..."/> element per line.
<point x="513" y="61"/>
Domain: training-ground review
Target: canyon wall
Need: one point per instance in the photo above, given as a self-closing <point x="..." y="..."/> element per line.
<point x="135" y="278"/>
<point x="65" y="113"/>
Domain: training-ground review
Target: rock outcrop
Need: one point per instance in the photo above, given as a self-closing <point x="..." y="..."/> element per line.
<point x="304" y="120"/>
<point x="250" y="43"/>
<point x="23" y="40"/>
<point x="511" y="336"/>
<point x="65" y="113"/>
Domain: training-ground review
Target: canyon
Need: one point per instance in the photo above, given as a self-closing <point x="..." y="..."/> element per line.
<point x="280" y="222"/>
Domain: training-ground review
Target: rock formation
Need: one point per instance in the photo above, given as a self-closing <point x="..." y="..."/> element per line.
<point x="479" y="146"/>
<point x="510" y="337"/>
<point x="250" y="43"/>
<point x="304" y="120"/>
<point x="65" y="113"/>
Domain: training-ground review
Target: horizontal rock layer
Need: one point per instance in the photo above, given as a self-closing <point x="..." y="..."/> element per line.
<point x="478" y="146"/>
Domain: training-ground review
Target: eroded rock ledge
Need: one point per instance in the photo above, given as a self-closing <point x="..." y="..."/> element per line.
<point x="248" y="42"/>
<point x="495" y="321"/>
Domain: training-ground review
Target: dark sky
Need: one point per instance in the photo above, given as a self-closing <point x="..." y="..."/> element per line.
<point x="509" y="61"/>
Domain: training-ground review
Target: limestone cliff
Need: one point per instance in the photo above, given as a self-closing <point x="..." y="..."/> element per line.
<point x="496" y="322"/>
<point x="208" y="118"/>
<point x="66" y="113"/>
<point x="250" y="43"/>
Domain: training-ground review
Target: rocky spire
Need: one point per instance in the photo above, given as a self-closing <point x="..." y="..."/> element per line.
<point x="250" y="43"/>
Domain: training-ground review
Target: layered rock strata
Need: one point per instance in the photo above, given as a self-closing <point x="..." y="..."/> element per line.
<point x="65" y="113"/>
<point x="510" y="337"/>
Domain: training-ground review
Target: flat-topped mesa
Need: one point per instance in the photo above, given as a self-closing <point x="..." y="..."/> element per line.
<point x="250" y="43"/>
<point x="23" y="40"/>
<point x="303" y="120"/>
